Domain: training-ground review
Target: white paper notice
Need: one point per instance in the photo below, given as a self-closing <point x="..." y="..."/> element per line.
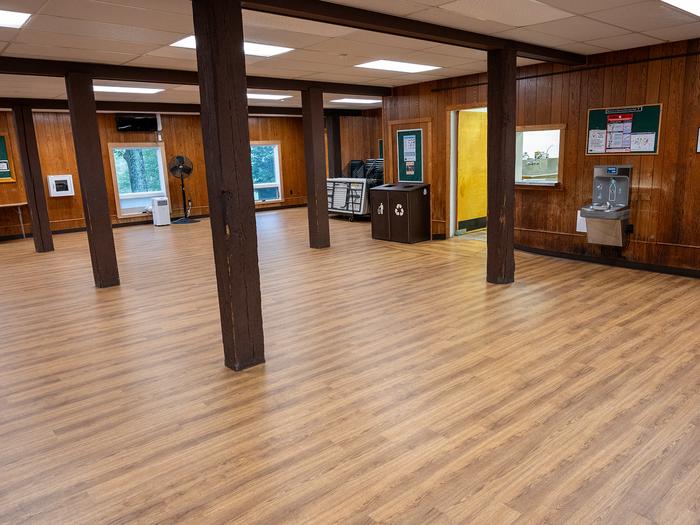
<point x="580" y="223"/>
<point x="409" y="148"/>
<point x="596" y="141"/>
<point x="643" y="142"/>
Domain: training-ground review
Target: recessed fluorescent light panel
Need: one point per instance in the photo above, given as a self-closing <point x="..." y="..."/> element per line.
<point x="264" y="50"/>
<point x="188" y="42"/>
<point x="249" y="48"/>
<point x="401" y="67"/>
<point x="126" y="89"/>
<point x="267" y="96"/>
<point x="13" y="19"/>
<point x="691" y="6"/>
<point x="356" y="101"/>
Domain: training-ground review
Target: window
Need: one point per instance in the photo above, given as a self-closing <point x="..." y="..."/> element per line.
<point x="139" y="176"/>
<point x="537" y="155"/>
<point x="265" y="161"/>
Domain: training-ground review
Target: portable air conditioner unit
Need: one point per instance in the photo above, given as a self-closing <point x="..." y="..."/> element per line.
<point x="161" y="211"/>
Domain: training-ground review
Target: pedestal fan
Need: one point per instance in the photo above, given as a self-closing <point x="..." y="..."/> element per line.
<point x="181" y="167"/>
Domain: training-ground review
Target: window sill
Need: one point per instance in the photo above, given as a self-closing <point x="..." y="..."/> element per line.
<point x="538" y="186"/>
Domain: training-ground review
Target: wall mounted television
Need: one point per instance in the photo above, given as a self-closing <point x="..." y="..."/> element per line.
<point x="143" y="122"/>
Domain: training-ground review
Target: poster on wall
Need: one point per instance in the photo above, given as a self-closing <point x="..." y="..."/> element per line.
<point x="410" y="155"/>
<point x="627" y="130"/>
<point x="6" y="174"/>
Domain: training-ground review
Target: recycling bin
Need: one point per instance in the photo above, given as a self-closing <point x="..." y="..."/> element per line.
<point x="401" y="212"/>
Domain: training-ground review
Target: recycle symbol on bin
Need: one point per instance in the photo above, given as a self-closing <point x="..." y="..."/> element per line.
<point x="399" y="210"/>
<point x="380" y="210"/>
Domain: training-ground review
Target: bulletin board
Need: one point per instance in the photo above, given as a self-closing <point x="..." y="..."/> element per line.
<point x="6" y="174"/>
<point x="410" y="154"/>
<point x="631" y="130"/>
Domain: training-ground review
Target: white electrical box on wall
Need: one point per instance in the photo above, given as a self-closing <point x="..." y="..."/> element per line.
<point x="61" y="185"/>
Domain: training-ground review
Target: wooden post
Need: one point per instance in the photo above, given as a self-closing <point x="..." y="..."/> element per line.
<point x="335" y="162"/>
<point x="502" y="90"/>
<point x="315" y="158"/>
<point x="88" y="154"/>
<point x="33" y="180"/>
<point x="218" y="28"/>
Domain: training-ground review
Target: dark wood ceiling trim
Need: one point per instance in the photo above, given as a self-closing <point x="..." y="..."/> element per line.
<point x="162" y="107"/>
<point x="347" y="16"/>
<point x="59" y="68"/>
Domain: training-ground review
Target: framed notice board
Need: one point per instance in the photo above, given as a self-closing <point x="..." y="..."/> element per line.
<point x="409" y="143"/>
<point x="6" y="174"/>
<point x="632" y="130"/>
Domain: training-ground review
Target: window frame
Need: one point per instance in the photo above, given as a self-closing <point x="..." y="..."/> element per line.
<point x="562" y="138"/>
<point x="165" y="181"/>
<point x="278" y="166"/>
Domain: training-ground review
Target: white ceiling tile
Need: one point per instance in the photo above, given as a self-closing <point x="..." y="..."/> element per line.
<point x="582" y="48"/>
<point x="456" y="51"/>
<point x="321" y="57"/>
<point x="644" y="16"/>
<point x="71" y="26"/>
<point x="163" y="62"/>
<point x="629" y="41"/>
<point x="686" y="31"/>
<point x="42" y="38"/>
<point x="257" y="19"/>
<point x="175" y="6"/>
<point x="382" y="39"/>
<point x="99" y="11"/>
<point x="431" y="59"/>
<point x="179" y="53"/>
<point x="587" y="6"/>
<point x="578" y="28"/>
<point x="279" y="37"/>
<point x="65" y="53"/>
<point x="459" y="21"/>
<point x="520" y="13"/>
<point x="527" y="61"/>
<point x="350" y="47"/>
<point x="393" y="7"/>
<point x="525" y="34"/>
<point x="7" y="34"/>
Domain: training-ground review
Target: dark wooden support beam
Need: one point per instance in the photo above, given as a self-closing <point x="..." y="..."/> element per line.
<point x="315" y="159"/>
<point x="219" y="30"/>
<point x="33" y="180"/>
<point x="335" y="162"/>
<point x="88" y="154"/>
<point x="332" y="13"/>
<point x="501" y="165"/>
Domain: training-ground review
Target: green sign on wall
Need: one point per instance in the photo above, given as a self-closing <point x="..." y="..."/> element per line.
<point x="410" y="155"/>
<point x="5" y="169"/>
<point x="631" y="130"/>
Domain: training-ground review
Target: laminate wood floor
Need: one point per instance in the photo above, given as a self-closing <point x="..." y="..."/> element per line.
<point x="399" y="387"/>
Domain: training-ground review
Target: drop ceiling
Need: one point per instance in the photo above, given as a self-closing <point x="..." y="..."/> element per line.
<point x="139" y="33"/>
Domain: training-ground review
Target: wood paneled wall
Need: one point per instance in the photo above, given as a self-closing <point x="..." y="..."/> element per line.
<point x="359" y="137"/>
<point x="12" y="192"/>
<point x="665" y="198"/>
<point x="181" y="135"/>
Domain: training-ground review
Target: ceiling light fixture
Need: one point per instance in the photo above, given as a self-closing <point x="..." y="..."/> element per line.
<point x="249" y="48"/>
<point x="690" y="6"/>
<point x="13" y="19"/>
<point x="267" y="96"/>
<point x="264" y="50"/>
<point x="126" y="89"/>
<point x="401" y="67"/>
<point x="356" y="101"/>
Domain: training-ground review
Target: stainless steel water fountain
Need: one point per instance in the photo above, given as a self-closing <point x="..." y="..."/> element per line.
<point x="608" y="215"/>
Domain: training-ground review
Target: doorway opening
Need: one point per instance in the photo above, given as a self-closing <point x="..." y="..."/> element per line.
<point x="468" y="172"/>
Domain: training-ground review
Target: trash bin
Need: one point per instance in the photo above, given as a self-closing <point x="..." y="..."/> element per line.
<point x="401" y="212"/>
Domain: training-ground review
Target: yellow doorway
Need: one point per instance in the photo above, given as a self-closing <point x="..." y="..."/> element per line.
<point x="471" y="170"/>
